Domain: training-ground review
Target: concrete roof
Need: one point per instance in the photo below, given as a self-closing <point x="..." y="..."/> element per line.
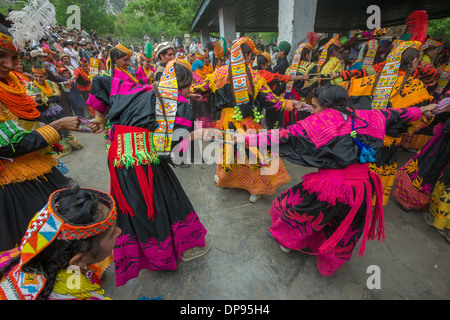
<point x="331" y="16"/>
<point x="251" y="15"/>
<point x="351" y="14"/>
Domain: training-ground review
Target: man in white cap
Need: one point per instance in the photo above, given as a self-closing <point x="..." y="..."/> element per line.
<point x="165" y="52"/>
<point x="39" y="56"/>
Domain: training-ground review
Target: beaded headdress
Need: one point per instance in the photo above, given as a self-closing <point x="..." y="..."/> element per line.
<point x="324" y="54"/>
<point x="63" y="55"/>
<point x="371" y="53"/>
<point x="199" y="56"/>
<point x="428" y="44"/>
<point x="240" y="80"/>
<point x="431" y="43"/>
<point x="443" y="80"/>
<point x="312" y="40"/>
<point x="417" y="24"/>
<point x="6" y="42"/>
<point x="46" y="227"/>
<point x="165" y="114"/>
<point x="389" y="74"/>
<point x="124" y="49"/>
<point x="267" y="56"/>
<point x="38" y="70"/>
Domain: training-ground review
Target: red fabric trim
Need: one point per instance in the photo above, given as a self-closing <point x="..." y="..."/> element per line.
<point x="146" y="186"/>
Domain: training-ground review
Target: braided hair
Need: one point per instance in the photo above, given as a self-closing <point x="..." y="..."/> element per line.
<point x="335" y="97"/>
<point x="76" y="206"/>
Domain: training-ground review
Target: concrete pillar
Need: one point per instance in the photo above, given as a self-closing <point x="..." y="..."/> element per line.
<point x="227" y="23"/>
<point x="295" y="19"/>
<point x="204" y="37"/>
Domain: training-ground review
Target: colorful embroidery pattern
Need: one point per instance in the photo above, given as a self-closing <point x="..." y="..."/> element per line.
<point x="440" y="205"/>
<point x="428" y="44"/>
<point x="6" y="42"/>
<point x="443" y="79"/>
<point x="165" y="114"/>
<point x="371" y="53"/>
<point x="295" y="67"/>
<point x="11" y="133"/>
<point x="21" y="286"/>
<point x="135" y="149"/>
<point x="324" y="54"/>
<point x="240" y="82"/>
<point x="131" y="254"/>
<point x="124" y="49"/>
<point x="389" y="75"/>
<point x="43" y="229"/>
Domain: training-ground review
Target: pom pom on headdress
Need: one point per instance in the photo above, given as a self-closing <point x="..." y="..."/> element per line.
<point x="220" y="48"/>
<point x="417" y="24"/>
<point x="312" y="38"/>
<point x="32" y="22"/>
<point x="148" y="51"/>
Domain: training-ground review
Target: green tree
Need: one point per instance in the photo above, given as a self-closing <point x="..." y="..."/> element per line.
<point x="173" y="16"/>
<point x="131" y="28"/>
<point x="440" y="28"/>
<point x="93" y="14"/>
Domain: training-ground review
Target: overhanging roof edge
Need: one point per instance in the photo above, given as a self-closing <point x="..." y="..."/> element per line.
<point x="199" y="13"/>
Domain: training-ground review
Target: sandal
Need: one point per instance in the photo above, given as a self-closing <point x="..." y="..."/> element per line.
<point x="254" y="198"/>
<point x="195" y="252"/>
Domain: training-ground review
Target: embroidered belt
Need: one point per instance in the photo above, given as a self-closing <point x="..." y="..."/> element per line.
<point x="132" y="147"/>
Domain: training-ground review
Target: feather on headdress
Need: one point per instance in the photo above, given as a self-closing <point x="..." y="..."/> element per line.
<point x="32" y="22"/>
<point x="417" y="26"/>
<point x="220" y="48"/>
<point x="148" y="50"/>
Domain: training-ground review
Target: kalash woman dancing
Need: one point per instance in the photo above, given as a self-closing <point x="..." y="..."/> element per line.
<point x="48" y="98"/>
<point x="28" y="170"/>
<point x="74" y="232"/>
<point x="328" y="63"/>
<point x="393" y="88"/>
<point x="237" y="91"/>
<point x="423" y="182"/>
<point x="118" y="63"/>
<point x="331" y="210"/>
<point x="300" y="90"/>
<point x="159" y="224"/>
